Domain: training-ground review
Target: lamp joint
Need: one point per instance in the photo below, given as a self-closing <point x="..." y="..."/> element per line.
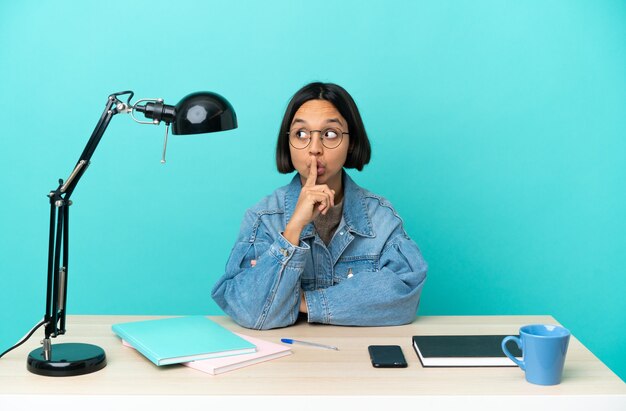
<point x="123" y="108"/>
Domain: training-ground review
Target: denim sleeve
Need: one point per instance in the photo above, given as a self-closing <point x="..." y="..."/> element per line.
<point x="261" y="286"/>
<point x="389" y="296"/>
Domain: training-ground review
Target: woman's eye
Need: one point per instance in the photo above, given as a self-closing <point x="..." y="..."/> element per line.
<point x="331" y="134"/>
<point x="301" y="134"/>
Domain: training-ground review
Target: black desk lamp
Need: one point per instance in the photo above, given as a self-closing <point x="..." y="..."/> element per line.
<point x="202" y="112"/>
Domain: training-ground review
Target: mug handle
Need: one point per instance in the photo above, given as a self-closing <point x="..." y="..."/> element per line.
<point x="521" y="364"/>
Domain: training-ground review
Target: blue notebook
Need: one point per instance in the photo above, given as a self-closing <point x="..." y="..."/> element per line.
<point x="182" y="339"/>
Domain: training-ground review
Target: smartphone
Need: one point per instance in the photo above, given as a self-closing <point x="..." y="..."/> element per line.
<point x="387" y="356"/>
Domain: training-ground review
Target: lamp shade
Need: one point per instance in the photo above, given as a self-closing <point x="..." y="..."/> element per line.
<point x="203" y="112"/>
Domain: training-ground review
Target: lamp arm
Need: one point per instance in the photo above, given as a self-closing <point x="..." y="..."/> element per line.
<point x="113" y="107"/>
<point x="58" y="246"/>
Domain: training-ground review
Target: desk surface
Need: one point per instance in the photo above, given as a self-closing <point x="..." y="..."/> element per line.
<point x="310" y="371"/>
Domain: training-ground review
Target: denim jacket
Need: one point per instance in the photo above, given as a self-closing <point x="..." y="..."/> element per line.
<point x="370" y="274"/>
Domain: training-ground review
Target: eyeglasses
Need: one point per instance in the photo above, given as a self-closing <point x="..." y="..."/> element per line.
<point x="301" y="138"/>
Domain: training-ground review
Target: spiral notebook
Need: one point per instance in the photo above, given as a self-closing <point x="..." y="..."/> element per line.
<point x="181" y="339"/>
<point x="266" y="351"/>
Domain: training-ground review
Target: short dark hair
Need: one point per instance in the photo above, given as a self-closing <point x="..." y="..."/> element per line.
<point x="359" y="152"/>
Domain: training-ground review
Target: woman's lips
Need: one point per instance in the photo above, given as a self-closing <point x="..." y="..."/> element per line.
<point x="320" y="170"/>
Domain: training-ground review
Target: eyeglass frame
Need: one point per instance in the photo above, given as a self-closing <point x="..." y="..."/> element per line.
<point x="321" y="138"/>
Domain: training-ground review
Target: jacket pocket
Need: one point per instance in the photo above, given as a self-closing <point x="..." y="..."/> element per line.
<point x="351" y="266"/>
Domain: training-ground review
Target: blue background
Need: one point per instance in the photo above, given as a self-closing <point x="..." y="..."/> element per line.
<point x="498" y="131"/>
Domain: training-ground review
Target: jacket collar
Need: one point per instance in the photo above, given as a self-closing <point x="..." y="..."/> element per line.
<point x="355" y="215"/>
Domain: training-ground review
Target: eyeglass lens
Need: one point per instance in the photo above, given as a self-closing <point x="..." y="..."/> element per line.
<point x="301" y="138"/>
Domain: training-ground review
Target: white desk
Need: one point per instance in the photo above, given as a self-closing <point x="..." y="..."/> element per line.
<point x="312" y="377"/>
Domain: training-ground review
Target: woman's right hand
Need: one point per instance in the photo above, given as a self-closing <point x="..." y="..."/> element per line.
<point x="313" y="200"/>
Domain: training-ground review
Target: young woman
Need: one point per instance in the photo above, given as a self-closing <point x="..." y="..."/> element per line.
<point x="322" y="246"/>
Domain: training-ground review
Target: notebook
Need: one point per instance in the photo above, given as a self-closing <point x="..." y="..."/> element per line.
<point x="182" y="339"/>
<point x="463" y="351"/>
<point x="266" y="351"/>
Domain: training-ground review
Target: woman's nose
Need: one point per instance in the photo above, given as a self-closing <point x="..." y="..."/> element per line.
<point x="316" y="145"/>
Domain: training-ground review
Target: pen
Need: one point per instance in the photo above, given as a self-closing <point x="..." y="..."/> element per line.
<point x="312" y="344"/>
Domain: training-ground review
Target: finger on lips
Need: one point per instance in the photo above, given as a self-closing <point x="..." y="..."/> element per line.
<point x="323" y="197"/>
<point x="312" y="172"/>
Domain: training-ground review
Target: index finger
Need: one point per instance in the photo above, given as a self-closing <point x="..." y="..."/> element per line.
<point x="312" y="178"/>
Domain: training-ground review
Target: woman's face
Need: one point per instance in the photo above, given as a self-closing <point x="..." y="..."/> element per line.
<point x="319" y="115"/>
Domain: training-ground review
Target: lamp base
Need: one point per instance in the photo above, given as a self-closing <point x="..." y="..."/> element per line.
<point x="67" y="360"/>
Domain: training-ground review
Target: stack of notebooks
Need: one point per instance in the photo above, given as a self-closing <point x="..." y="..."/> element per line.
<point x="197" y="342"/>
